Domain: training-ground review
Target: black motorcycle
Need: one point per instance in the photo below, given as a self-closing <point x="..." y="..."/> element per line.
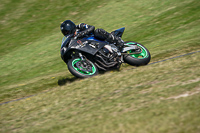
<point x="86" y="56"/>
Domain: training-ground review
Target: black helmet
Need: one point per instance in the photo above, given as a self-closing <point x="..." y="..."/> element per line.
<point x="68" y="27"/>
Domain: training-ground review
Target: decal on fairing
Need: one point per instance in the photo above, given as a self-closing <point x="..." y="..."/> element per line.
<point x="94" y="45"/>
<point x="80" y="43"/>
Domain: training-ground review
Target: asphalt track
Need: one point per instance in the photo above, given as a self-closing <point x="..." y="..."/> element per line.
<point x="126" y="69"/>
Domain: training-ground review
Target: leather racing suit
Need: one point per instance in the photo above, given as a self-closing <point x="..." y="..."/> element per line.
<point x="84" y="29"/>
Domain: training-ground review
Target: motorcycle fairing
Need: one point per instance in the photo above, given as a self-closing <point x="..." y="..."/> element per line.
<point x="86" y="45"/>
<point x="64" y="45"/>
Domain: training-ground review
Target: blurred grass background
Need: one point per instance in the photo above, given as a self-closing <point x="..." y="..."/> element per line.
<point x="30" y="64"/>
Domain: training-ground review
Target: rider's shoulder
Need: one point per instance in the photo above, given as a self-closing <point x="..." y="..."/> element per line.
<point x="82" y="25"/>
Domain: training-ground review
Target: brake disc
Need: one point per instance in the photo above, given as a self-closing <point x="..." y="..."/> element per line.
<point x="84" y="66"/>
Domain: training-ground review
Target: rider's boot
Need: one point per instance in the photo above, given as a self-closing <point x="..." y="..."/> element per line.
<point x="115" y="39"/>
<point x="119" y="43"/>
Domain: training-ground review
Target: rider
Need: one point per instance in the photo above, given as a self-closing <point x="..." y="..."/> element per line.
<point x="69" y="28"/>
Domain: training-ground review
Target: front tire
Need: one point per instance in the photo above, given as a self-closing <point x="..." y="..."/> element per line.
<point x="82" y="69"/>
<point x="137" y="59"/>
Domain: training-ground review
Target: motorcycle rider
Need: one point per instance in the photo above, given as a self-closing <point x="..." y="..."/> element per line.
<point x="68" y="28"/>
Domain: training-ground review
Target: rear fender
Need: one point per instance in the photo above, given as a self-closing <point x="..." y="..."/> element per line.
<point x="119" y="32"/>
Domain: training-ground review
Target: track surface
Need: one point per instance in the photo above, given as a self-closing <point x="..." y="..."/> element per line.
<point x="126" y="69"/>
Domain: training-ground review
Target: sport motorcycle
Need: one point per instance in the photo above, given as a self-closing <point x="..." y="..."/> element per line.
<point x="86" y="56"/>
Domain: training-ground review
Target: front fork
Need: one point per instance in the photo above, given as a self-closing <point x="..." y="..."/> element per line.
<point x="81" y="56"/>
<point x="77" y="53"/>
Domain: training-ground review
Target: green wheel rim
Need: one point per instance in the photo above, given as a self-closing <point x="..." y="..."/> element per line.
<point x="81" y="71"/>
<point x="142" y="55"/>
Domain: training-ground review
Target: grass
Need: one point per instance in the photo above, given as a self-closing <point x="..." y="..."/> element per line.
<point x="146" y="103"/>
<point x="163" y="97"/>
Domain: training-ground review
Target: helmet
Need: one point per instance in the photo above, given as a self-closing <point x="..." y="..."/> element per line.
<point x="68" y="27"/>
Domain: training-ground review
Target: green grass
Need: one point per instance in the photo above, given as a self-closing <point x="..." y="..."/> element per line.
<point x="138" y="102"/>
<point x="146" y="99"/>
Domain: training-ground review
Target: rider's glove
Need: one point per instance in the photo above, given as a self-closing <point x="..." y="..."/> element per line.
<point x="80" y="34"/>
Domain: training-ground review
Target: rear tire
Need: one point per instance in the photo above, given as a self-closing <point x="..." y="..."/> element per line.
<point x="137" y="59"/>
<point x="82" y="69"/>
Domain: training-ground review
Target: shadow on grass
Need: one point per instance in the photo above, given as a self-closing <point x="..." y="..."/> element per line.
<point x="64" y="81"/>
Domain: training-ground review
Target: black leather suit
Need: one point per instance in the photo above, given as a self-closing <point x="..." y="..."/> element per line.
<point x="84" y="29"/>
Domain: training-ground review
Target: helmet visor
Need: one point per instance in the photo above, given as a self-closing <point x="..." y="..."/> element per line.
<point x="67" y="32"/>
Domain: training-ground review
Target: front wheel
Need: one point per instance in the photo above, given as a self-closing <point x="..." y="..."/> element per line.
<point x="82" y="68"/>
<point x="140" y="58"/>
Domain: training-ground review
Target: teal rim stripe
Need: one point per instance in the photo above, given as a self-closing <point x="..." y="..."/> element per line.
<point x="144" y="52"/>
<point x="80" y="71"/>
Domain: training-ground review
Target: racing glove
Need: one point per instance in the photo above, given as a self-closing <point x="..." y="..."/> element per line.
<point x="80" y="34"/>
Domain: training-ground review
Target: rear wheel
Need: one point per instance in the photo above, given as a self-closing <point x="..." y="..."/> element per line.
<point x="82" y="68"/>
<point x="137" y="58"/>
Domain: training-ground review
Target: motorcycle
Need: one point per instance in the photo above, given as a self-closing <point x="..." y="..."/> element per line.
<point x="87" y="56"/>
